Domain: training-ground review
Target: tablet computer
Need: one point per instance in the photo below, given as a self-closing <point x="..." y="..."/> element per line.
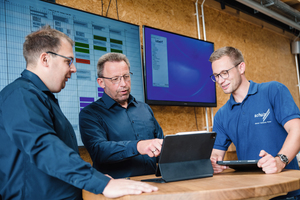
<point x="185" y="156"/>
<point x="240" y="165"/>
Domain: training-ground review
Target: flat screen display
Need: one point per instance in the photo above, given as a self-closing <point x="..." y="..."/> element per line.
<point x="177" y="69"/>
<point x="94" y="36"/>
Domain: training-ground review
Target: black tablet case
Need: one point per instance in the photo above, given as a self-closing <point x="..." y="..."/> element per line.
<point x="186" y="156"/>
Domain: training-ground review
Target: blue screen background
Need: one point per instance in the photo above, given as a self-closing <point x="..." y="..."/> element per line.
<point x="188" y="68"/>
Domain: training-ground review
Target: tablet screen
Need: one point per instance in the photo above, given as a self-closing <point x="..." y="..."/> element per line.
<point x="240" y="165"/>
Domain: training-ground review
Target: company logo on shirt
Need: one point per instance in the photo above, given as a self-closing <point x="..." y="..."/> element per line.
<point x="263" y="117"/>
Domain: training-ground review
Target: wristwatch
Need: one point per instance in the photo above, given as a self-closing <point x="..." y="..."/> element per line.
<point x="283" y="158"/>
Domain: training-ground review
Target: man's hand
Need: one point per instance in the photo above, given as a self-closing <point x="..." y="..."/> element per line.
<point x="120" y="187"/>
<point x="270" y="164"/>
<point x="217" y="155"/>
<point x="150" y="147"/>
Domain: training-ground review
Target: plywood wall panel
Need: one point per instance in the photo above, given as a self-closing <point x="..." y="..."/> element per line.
<point x="175" y="119"/>
<point x="267" y="54"/>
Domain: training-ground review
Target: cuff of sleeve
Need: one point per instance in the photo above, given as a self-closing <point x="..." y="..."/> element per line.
<point x="220" y="147"/>
<point x="132" y="148"/>
<point x="285" y="120"/>
<point x="97" y="183"/>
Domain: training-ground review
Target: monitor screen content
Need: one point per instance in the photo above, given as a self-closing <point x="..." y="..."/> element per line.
<point x="94" y="36"/>
<point x="177" y="69"/>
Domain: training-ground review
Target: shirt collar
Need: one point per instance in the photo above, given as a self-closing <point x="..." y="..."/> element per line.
<point x="109" y="102"/>
<point x="35" y="80"/>
<point x="252" y="90"/>
<point x="32" y="77"/>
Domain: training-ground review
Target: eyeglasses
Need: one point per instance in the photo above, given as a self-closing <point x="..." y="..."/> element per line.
<point x="70" y="59"/>
<point x="224" y="74"/>
<point x="117" y="79"/>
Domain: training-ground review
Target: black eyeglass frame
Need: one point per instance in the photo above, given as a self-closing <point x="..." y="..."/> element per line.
<point x="71" y="59"/>
<point x="119" y="77"/>
<point x="214" y="77"/>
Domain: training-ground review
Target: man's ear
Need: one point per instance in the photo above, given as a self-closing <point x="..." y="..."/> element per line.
<point x="44" y="59"/>
<point x="100" y="82"/>
<point x="242" y="68"/>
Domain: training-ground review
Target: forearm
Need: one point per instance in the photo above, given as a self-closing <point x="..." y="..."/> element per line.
<point x="291" y="145"/>
<point x="217" y="155"/>
<point x="290" y="148"/>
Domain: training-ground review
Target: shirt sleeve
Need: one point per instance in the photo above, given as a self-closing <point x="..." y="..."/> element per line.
<point x="159" y="132"/>
<point x="101" y="148"/>
<point x="280" y="95"/>
<point x="222" y="141"/>
<point x="27" y="121"/>
<point x="96" y="141"/>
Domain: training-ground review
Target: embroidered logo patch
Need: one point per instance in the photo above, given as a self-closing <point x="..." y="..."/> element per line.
<point x="262" y="117"/>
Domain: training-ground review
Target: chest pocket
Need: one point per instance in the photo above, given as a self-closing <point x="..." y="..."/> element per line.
<point x="144" y="129"/>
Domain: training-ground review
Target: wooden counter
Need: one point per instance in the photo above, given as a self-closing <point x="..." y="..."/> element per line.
<point x="227" y="185"/>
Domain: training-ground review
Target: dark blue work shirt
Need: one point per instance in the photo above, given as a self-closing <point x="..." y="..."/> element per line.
<point x="110" y="133"/>
<point x="38" y="150"/>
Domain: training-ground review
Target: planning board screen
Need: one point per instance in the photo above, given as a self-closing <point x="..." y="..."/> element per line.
<point x="93" y="35"/>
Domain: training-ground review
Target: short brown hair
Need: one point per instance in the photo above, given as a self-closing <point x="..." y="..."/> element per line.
<point x="234" y="54"/>
<point x="110" y="57"/>
<point x="43" y="40"/>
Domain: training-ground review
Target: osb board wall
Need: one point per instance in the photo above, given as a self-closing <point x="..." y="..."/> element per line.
<point x="267" y="54"/>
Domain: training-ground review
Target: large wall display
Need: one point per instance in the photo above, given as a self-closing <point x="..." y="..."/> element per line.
<point x="94" y="36"/>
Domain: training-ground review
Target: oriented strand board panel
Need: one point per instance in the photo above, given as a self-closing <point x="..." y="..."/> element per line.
<point x="267" y="53"/>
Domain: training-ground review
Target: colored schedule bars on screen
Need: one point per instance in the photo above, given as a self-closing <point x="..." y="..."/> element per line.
<point x="116" y="46"/>
<point x="100" y="43"/>
<point x="81" y="46"/>
<point x="85" y="101"/>
<point x="93" y="36"/>
<point x="100" y="92"/>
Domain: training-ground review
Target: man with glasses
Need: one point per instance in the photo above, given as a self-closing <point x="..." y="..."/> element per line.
<point x="262" y="120"/>
<point x="38" y="148"/>
<point x="120" y="133"/>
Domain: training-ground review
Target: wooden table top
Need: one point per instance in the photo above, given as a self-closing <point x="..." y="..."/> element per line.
<point x="226" y="185"/>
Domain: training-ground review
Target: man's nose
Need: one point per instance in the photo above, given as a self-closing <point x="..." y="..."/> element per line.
<point x="220" y="80"/>
<point x="73" y="68"/>
<point x="122" y="81"/>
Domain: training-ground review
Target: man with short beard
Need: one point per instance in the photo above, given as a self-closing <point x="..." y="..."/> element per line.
<point x="120" y="133"/>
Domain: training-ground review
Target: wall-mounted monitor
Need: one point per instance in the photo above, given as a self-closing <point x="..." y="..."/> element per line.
<point x="177" y="69"/>
<point x="94" y="36"/>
